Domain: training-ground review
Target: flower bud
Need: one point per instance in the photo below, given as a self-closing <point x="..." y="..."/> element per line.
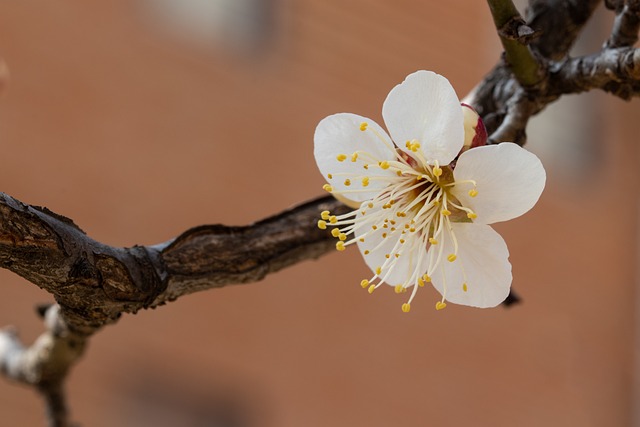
<point x="475" y="134"/>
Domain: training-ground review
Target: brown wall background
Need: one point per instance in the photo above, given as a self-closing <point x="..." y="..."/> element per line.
<point x="138" y="134"/>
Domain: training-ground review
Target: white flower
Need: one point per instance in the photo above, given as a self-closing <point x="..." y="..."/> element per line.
<point x="422" y="208"/>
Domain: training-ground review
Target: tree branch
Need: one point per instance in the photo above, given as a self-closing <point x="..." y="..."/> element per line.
<point x="626" y="24"/>
<point x="515" y="36"/>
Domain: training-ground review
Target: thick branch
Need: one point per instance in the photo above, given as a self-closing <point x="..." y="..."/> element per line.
<point x="613" y="70"/>
<point x="95" y="283"/>
<point x="626" y="24"/>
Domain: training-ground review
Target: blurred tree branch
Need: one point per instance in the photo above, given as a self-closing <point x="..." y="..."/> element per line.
<point x="93" y="284"/>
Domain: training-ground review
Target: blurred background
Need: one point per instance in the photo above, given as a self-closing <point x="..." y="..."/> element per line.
<point x="140" y="119"/>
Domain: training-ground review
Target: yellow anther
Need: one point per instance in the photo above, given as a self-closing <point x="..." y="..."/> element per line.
<point x="335" y="232"/>
<point x="393" y="222"/>
<point x="433" y="241"/>
<point x="340" y="245"/>
<point x="371" y="289"/>
<point x="406" y="307"/>
<point x="363" y="126"/>
<point x="392" y="202"/>
<point x="384" y="235"/>
<point x="402" y="241"/>
<point x="426" y="278"/>
<point x="396" y="255"/>
<point x="366" y="252"/>
<point x="385" y="225"/>
<point x="342" y="236"/>
<point x="354" y="157"/>
<point x="387" y="256"/>
<point x="322" y="225"/>
<point x="437" y="171"/>
<point x="473" y="192"/>
<point x="370" y="205"/>
<point x="445" y="212"/>
<point x="386" y="206"/>
<point x="364" y="283"/>
<point x="347" y="182"/>
<point x="384" y="164"/>
<point x="440" y="305"/>
<point x="341" y="157"/>
<point x="361" y="239"/>
<point x="375" y="227"/>
<point x="452" y="257"/>
<point x="325" y="215"/>
<point x="333" y="219"/>
<point x="436" y="203"/>
<point x="412" y="229"/>
<point x="464" y="287"/>
<point x="366" y="166"/>
<point x="408" y="144"/>
<point x="365" y="182"/>
<point x="399" y="172"/>
<point x="420" y="282"/>
<point x="472" y="215"/>
<point x="414" y="146"/>
<point x="328" y="188"/>
<point x="398" y="289"/>
<point x="329" y="176"/>
<point x="378" y="270"/>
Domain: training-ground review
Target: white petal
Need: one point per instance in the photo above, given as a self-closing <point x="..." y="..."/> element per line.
<point x="397" y="270"/>
<point x="482" y="263"/>
<point x="425" y="107"/>
<point x="509" y="181"/>
<point x="341" y="134"/>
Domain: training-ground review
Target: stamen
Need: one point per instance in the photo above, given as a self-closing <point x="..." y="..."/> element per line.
<point x="340" y="245"/>
<point x="371" y="289"/>
<point x="473" y="192"/>
<point x="364" y="283"/>
<point x="406" y="307"/>
<point x="322" y="225"/>
<point x="440" y="305"/>
<point x="327" y="187"/>
<point x="341" y="157"/>
<point x="325" y="215"/>
<point x="363" y="126"/>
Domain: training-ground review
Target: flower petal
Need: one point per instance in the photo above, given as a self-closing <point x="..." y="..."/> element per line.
<point x="482" y="264"/>
<point x="425" y="107"/>
<point x="509" y="181"/>
<point x="341" y="134"/>
<point x="375" y="248"/>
